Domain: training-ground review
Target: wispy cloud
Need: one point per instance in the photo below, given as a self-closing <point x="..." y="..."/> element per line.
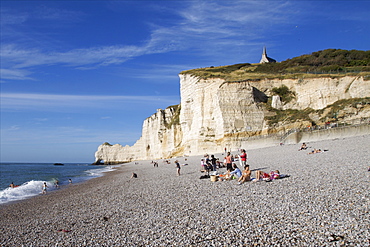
<point x="68" y="102"/>
<point x="15" y="74"/>
<point x="207" y="26"/>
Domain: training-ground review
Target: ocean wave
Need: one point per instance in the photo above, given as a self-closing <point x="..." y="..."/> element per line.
<point x="34" y="187"/>
<point x="26" y="190"/>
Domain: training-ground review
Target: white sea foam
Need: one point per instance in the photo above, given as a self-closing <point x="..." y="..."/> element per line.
<point x="28" y="189"/>
<point x="33" y="188"/>
<point x="100" y="172"/>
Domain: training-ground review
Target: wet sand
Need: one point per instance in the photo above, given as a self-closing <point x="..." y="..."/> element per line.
<point x="325" y="202"/>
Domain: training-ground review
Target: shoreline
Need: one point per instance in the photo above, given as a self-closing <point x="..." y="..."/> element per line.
<point x="29" y="189"/>
<point x="324" y="201"/>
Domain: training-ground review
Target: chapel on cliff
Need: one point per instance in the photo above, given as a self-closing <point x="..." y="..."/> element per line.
<point x="265" y="58"/>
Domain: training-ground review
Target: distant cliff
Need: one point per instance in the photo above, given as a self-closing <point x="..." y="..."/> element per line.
<point x="215" y="113"/>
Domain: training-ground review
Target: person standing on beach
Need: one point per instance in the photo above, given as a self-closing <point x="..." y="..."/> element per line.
<point x="243" y="157"/>
<point x="228" y="162"/>
<point x="178" y="167"/>
<point x="56" y="183"/>
<point x="214" y="162"/>
<point x="44" y="188"/>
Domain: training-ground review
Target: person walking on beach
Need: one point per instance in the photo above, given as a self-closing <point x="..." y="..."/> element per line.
<point x="44" y="188"/>
<point x="178" y="167"/>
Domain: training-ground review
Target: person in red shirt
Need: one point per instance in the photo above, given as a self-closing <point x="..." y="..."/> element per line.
<point x="243" y="157"/>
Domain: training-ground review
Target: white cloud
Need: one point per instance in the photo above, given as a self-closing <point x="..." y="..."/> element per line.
<point x="15" y="74"/>
<point x="14" y="127"/>
<point x="203" y="26"/>
<point x="62" y="102"/>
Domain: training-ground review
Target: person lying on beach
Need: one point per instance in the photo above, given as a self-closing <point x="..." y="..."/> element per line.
<point x="246" y="175"/>
<point x="315" y="151"/>
<point x="263" y="176"/>
<point x="303" y="147"/>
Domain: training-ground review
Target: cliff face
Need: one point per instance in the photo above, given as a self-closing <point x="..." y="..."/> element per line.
<point x="216" y="114"/>
<point x="160" y="137"/>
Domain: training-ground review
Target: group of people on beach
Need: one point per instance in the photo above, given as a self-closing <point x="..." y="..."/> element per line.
<point x="233" y="171"/>
<point x="314" y="151"/>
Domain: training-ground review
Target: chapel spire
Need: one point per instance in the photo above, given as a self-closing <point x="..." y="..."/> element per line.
<point x="265" y="58"/>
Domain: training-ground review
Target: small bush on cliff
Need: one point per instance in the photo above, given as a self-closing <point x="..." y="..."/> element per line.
<point x="107" y="144"/>
<point x="285" y="94"/>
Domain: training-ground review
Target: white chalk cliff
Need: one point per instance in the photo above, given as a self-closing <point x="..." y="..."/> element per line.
<point x="215" y="114"/>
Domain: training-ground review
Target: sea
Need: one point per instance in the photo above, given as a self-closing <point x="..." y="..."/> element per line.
<point x="29" y="177"/>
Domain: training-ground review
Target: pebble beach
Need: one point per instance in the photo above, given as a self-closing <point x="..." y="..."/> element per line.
<point x="324" y="202"/>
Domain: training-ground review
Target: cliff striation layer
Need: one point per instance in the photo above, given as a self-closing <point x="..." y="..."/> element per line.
<point x="215" y="114"/>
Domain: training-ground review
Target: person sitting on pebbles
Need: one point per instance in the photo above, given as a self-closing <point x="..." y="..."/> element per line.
<point x="303" y="147"/>
<point x="237" y="171"/>
<point x="246" y="175"/>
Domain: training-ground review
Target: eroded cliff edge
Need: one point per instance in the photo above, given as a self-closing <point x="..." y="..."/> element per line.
<point x="215" y="113"/>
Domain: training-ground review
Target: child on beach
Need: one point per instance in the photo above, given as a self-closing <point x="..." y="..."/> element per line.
<point x="178" y="167"/>
<point x="44" y="188"/>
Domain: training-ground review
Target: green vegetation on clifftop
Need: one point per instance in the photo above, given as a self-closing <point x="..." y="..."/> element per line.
<point x="330" y="62"/>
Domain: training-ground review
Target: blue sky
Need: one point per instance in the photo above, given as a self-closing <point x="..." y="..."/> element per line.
<point x="76" y="74"/>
